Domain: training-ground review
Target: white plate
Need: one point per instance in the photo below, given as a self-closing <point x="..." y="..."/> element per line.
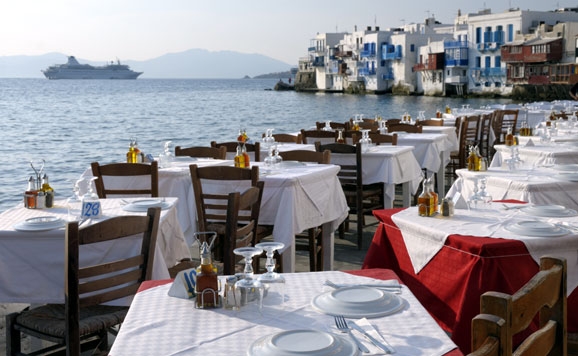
<point x="139" y="207"/>
<point x="537" y="228"/>
<point x="566" y="167"/>
<point x="548" y="210"/>
<point x="41" y="223"/>
<point x="289" y="164"/>
<point x="572" y="177"/>
<point x="358" y="302"/>
<point x="303" y="342"/>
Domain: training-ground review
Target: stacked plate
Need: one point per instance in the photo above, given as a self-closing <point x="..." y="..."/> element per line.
<point x="144" y="204"/>
<point x="550" y="211"/>
<point x="358" y="302"/>
<point x="303" y="342"/>
<point x="537" y="228"/>
<point x="41" y="223"/>
<point x="568" y="176"/>
<point x="566" y="167"/>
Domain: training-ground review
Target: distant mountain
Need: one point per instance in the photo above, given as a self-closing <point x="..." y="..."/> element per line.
<point x="194" y="63"/>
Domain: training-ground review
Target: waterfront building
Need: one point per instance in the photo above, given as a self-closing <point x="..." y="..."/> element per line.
<point x="439" y="59"/>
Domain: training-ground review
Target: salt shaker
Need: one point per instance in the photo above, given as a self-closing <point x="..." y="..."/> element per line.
<point x="232" y="299"/>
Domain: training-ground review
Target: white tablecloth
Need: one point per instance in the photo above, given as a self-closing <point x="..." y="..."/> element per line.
<point x="425" y="236"/>
<point x="160" y="325"/>
<point x="538" y="155"/>
<point x="294" y="199"/>
<point x="537" y="186"/>
<point x="390" y="165"/>
<point x="32" y="263"/>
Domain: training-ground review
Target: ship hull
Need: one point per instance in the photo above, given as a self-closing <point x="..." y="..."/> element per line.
<point x="91" y="74"/>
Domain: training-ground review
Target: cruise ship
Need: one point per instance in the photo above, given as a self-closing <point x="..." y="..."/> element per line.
<point x="74" y="70"/>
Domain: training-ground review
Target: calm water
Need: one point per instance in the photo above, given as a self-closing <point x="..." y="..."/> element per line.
<point x="71" y="123"/>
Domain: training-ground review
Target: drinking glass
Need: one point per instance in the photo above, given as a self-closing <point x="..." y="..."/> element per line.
<point x="74" y="203"/>
<point x="274" y="282"/>
<point x="250" y="289"/>
<point x="166" y="157"/>
<point x="485" y="196"/>
<point x="365" y="141"/>
<point x="327" y="126"/>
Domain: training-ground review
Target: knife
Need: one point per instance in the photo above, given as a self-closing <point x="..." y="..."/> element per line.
<point x="386" y="348"/>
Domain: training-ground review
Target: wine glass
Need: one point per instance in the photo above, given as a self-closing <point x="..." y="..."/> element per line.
<point x="166" y="157"/>
<point x="475" y="198"/>
<point x="278" y="160"/>
<point x="327" y="126"/>
<point x="485" y="196"/>
<point x="74" y="202"/>
<point x="250" y="289"/>
<point x="273" y="281"/>
<point x="365" y="141"/>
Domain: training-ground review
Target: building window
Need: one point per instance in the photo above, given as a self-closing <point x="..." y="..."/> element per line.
<point x="510" y="33"/>
<point x="411" y="47"/>
<point x="478" y="34"/>
<point x="497" y="61"/>
<point x="488" y="61"/>
<point x="478" y="62"/>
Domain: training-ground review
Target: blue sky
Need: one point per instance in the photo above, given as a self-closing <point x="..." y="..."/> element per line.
<point x="144" y="29"/>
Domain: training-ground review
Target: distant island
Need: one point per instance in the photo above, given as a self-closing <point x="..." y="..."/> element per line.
<point x="278" y="75"/>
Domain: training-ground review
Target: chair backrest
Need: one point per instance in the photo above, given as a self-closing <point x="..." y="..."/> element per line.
<point x="501" y="121"/>
<point x="543" y="295"/>
<point x="212" y="206"/>
<point x="105" y="280"/>
<point x="200" y="151"/>
<point x="351" y="172"/>
<point x="312" y="136"/>
<point x="389" y="122"/>
<point x="334" y="125"/>
<point x="432" y="122"/>
<point x="307" y="156"/>
<point x="285" y="137"/>
<point x="232" y="147"/>
<point x="405" y="128"/>
<point x="367" y="124"/>
<point x="378" y="138"/>
<point x="485" y="129"/>
<point x="488" y="331"/>
<point x="468" y="136"/>
<point x="125" y="170"/>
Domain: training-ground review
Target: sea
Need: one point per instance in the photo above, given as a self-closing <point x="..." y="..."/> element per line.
<point x="67" y="124"/>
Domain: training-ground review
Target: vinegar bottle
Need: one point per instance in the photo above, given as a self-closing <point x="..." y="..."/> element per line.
<point x="435" y="199"/>
<point x="130" y="153"/>
<point x="239" y="156"/>
<point x="424" y="201"/>
<point x="509" y="140"/>
<point x="30" y="194"/>
<point x="207" y="282"/>
<point x="48" y="191"/>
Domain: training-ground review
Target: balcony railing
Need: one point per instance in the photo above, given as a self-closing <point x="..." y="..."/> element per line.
<point x="392" y="55"/>
<point x="367" y="54"/>
<point x="366" y="71"/>
<point x="456" y="44"/>
<point x="456" y="62"/>
<point x="387" y="76"/>
<point x="456" y="79"/>
<point x="490" y="72"/>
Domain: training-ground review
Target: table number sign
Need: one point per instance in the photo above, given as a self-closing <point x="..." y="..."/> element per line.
<point x="91" y="209"/>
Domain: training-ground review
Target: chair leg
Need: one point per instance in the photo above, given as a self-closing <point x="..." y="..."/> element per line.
<point x="312" y="249"/>
<point x="359" y="228"/>
<point x="319" y="250"/>
<point x="13" y="345"/>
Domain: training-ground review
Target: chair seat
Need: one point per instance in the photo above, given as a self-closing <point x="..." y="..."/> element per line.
<point x="50" y="319"/>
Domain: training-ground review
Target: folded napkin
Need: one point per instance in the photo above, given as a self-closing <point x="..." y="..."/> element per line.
<point x="530" y="143"/>
<point x="393" y="283"/>
<point x="184" y="284"/>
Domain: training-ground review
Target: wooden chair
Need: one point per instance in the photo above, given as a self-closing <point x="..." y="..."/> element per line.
<point x="378" y="139"/>
<point x="310" y="241"/>
<point x="212" y="208"/>
<point x="389" y="122"/>
<point x="82" y="322"/>
<point x="468" y="136"/>
<point x="362" y="199"/>
<point x="404" y="128"/>
<point x="485" y="130"/>
<point x="232" y="147"/>
<point x="199" y="151"/>
<point x="488" y="331"/>
<point x="544" y="295"/>
<point x="125" y="170"/>
<point x="431" y="122"/>
<point x="501" y="121"/>
<point x="312" y="136"/>
<point x="289" y="138"/>
<point x="334" y="125"/>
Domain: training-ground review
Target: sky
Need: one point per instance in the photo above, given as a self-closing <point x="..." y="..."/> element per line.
<point x="104" y="30"/>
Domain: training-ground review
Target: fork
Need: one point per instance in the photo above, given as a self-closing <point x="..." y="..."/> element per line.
<point x="341" y="324"/>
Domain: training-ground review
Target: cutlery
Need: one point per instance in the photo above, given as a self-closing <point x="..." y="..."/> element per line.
<point x="506" y="207"/>
<point x="393" y="288"/>
<point x="342" y="325"/>
<point x="384" y="346"/>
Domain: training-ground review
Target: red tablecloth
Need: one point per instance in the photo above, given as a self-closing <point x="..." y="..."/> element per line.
<point x="377" y="273"/>
<point x="450" y="285"/>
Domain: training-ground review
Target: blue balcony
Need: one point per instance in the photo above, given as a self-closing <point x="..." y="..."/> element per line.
<point x="367" y="54"/>
<point x="456" y="44"/>
<point x="490" y="72"/>
<point x="366" y="71"/>
<point x="456" y="62"/>
<point x="318" y="62"/>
